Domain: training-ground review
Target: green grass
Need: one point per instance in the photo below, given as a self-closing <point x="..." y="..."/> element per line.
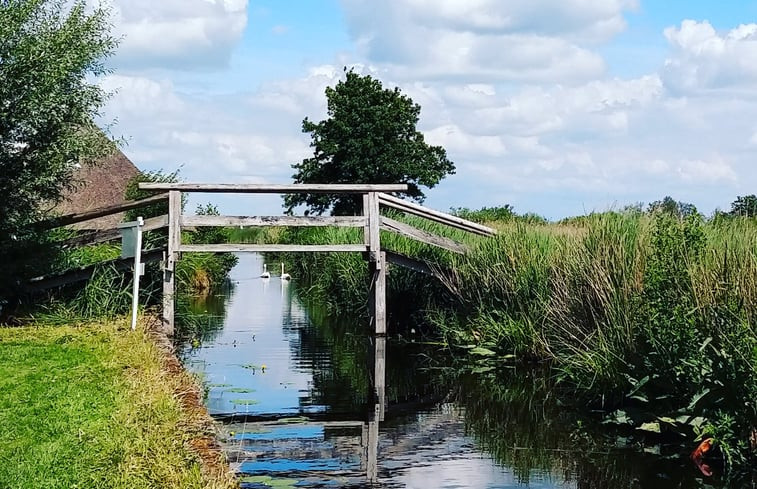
<point x="91" y="407"/>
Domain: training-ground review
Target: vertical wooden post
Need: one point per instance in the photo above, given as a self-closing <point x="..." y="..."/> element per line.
<point x="379" y="374"/>
<point x="376" y="261"/>
<point x="169" y="264"/>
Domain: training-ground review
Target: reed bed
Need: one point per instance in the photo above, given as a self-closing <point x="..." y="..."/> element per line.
<point x="648" y="314"/>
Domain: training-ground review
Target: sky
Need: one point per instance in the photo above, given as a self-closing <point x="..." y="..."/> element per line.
<point x="559" y="107"/>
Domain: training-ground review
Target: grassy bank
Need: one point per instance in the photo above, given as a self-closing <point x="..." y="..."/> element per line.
<point x="98" y="406"/>
<point x="649" y="317"/>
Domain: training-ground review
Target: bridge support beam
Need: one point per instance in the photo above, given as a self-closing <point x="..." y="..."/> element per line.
<point x="169" y="264"/>
<point x="378" y="295"/>
<point x="376" y="261"/>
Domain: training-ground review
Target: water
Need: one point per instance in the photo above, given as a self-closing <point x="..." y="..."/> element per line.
<point x="307" y="401"/>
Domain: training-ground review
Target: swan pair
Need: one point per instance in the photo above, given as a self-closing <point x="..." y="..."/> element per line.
<point x="267" y="274"/>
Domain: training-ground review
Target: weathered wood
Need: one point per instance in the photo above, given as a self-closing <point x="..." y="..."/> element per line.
<point x="379" y="373"/>
<point x="436" y="216"/>
<point x="374" y="225"/>
<point x="412" y="264"/>
<point x="68" y="219"/>
<point x="169" y="264"/>
<point x="272" y="248"/>
<point x="302" y="221"/>
<point x="81" y="274"/>
<point x="317" y="188"/>
<point x="106" y="235"/>
<point x="378" y="287"/>
<point x="366" y="222"/>
<point x="422" y="236"/>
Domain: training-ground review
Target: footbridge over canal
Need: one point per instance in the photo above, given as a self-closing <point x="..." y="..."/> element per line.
<point x="371" y="221"/>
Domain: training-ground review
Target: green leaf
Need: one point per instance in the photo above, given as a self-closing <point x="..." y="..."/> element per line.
<point x="653" y="427"/>
<point x="481" y="351"/>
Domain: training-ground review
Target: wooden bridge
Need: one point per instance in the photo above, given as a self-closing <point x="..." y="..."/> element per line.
<point x="371" y="221"/>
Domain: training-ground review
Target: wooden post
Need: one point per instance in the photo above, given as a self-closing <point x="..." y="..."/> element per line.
<point x="376" y="261"/>
<point x="379" y="293"/>
<point x="169" y="264"/>
<point x="379" y="374"/>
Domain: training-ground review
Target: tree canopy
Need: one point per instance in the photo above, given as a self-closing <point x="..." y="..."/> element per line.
<point x="370" y="136"/>
<point x="745" y="206"/>
<point x="669" y="205"/>
<point x="49" y="51"/>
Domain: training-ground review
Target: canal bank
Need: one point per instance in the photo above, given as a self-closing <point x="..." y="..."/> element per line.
<point x="97" y="405"/>
<point x="300" y="399"/>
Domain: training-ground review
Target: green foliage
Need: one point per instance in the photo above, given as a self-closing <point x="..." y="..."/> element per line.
<point x="486" y="214"/>
<point x="49" y="51"/>
<point x="745" y="206"/>
<point x="370" y="136"/>
<point x="652" y="316"/>
<point x="670" y="206"/>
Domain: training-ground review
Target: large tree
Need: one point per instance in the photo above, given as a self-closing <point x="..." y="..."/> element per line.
<point x="368" y="137"/>
<point x="50" y="50"/>
<point x="744" y="206"/>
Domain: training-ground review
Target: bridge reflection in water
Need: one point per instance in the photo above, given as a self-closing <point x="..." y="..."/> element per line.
<point x="313" y="449"/>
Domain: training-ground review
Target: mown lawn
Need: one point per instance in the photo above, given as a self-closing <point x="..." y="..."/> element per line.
<point x="91" y="407"/>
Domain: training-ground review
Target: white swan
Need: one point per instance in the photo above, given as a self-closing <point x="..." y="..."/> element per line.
<point x="284" y="276"/>
<point x="265" y="273"/>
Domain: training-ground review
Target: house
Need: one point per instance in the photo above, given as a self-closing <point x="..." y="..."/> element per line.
<point x="99" y="185"/>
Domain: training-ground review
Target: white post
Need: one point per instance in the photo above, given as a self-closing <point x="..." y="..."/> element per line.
<point x="131" y="245"/>
<point x="138" y="270"/>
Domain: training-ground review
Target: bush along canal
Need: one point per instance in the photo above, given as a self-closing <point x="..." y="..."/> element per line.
<point x="307" y="401"/>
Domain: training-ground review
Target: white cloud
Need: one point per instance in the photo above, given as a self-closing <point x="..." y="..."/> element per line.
<point x="184" y="34"/>
<point x="702" y="58"/>
<point x="524" y="40"/>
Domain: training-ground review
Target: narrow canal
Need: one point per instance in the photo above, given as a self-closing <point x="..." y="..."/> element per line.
<point x="307" y="401"/>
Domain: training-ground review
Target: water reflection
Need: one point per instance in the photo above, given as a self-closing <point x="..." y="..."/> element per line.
<point x="309" y="401"/>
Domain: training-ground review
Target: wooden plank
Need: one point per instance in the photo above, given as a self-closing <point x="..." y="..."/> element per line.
<point x="379" y="373"/>
<point x="374" y="224"/>
<point x="412" y="264"/>
<point x="81" y="274"/>
<point x="378" y="287"/>
<point x="68" y="219"/>
<point x="314" y="221"/>
<point x="366" y="222"/>
<point x="271" y="248"/>
<point x="420" y="235"/>
<point x="436" y="216"/>
<point x="106" y="235"/>
<point x="169" y="263"/>
<point x="296" y="188"/>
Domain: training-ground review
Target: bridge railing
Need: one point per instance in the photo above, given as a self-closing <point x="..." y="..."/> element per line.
<point x="371" y="221"/>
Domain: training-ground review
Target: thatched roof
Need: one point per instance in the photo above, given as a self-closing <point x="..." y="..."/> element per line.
<point x="99" y="185"/>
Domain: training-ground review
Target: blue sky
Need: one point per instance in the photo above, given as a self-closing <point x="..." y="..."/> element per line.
<point x="554" y="106"/>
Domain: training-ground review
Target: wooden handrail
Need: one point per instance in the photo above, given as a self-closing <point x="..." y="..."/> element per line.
<point x="296" y="188"/>
<point x="432" y="239"/>
<point x="84" y="273"/>
<point x="436" y="216"/>
<point x="105" y="235"/>
<point x="299" y="221"/>
<point x="74" y="218"/>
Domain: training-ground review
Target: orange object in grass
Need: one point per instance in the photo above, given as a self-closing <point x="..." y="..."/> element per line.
<point x="702" y="449"/>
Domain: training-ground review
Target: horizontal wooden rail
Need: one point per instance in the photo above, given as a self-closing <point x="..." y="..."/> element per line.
<point x="411" y="232"/>
<point x="271" y="248"/>
<point x="68" y="219"/>
<point x="276" y="189"/>
<point x="314" y="221"/>
<point x="436" y="216"/>
<point x="105" y="235"/>
<point x="84" y="273"/>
